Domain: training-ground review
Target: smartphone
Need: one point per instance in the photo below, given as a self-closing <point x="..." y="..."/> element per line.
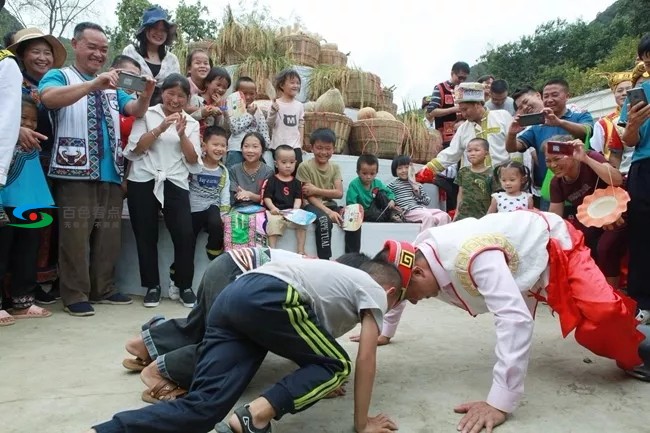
<point x="636" y="95"/>
<point x="531" y="119"/>
<point x="559" y="148"/>
<point x="131" y="82"/>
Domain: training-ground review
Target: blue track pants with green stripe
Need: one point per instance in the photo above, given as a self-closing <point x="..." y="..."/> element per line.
<point x="254" y="315"/>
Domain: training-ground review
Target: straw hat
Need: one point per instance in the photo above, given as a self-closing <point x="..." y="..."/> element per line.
<point x="58" y="50"/>
<point x="469" y="92"/>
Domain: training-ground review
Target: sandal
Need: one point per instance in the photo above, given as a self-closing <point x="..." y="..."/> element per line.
<point x="33" y="312"/>
<point x="245" y="421"/>
<point x="163" y="391"/>
<point x="135" y="364"/>
<point x="6" y="319"/>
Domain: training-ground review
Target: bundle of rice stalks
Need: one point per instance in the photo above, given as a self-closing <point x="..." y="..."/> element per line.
<point x="325" y="77"/>
<point x="236" y="40"/>
<point x="263" y="68"/>
<point x="421" y="144"/>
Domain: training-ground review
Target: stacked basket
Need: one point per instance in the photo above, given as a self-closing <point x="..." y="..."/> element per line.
<point x="330" y="55"/>
<point x="380" y="137"/>
<point x="339" y="123"/>
<point x="301" y="49"/>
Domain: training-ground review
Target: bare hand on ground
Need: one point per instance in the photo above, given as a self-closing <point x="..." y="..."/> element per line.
<point x="478" y="416"/>
<point x="379" y="424"/>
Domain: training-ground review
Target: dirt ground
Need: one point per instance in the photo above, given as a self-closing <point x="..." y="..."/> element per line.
<point x="64" y="374"/>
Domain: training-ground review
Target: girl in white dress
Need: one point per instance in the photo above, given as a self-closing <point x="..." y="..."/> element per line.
<point x="515" y="182"/>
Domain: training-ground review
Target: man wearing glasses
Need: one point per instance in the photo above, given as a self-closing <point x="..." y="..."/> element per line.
<point x="442" y="106"/>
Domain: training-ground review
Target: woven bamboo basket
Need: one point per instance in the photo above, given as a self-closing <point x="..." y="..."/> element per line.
<point x="363" y="90"/>
<point x="425" y="152"/>
<point x="339" y="123"/>
<point x="380" y="137"/>
<point x="301" y="49"/>
<point x="332" y="57"/>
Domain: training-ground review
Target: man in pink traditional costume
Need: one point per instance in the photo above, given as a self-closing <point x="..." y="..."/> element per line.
<point x="506" y="263"/>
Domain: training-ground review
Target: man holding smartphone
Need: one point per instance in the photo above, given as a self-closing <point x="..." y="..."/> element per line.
<point x="637" y="134"/>
<point x="88" y="166"/>
<point x="558" y="120"/>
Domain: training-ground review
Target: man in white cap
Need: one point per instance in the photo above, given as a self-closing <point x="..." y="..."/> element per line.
<point x="480" y="123"/>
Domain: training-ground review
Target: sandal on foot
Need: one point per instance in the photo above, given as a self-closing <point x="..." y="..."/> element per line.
<point x="245" y="418"/>
<point x="6" y="319"/>
<point x="135" y="364"/>
<point x="163" y="391"/>
<point x="33" y="312"/>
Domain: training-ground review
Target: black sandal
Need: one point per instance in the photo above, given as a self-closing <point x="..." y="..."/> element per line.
<point x="245" y="420"/>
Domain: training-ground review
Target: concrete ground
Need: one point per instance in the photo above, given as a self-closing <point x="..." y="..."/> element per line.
<point x="64" y="374"/>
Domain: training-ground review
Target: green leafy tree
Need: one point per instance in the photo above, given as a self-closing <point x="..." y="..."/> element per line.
<point x="192" y="24"/>
<point x="576" y="51"/>
<point x="129" y="17"/>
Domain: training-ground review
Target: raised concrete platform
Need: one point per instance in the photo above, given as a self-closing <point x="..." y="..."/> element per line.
<point x="373" y="236"/>
<point x="127" y="276"/>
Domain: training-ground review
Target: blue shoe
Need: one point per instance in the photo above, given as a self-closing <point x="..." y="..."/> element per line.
<point x="116" y="299"/>
<point x="80" y="309"/>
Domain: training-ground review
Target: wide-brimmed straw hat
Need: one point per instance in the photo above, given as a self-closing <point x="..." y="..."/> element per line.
<point x="29" y="34"/>
<point x="153" y="15"/>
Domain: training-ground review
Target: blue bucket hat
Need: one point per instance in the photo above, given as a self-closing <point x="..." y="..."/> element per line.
<point x="153" y="15"/>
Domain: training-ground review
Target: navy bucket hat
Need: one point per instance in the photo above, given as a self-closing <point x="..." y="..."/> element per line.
<point x="153" y="15"/>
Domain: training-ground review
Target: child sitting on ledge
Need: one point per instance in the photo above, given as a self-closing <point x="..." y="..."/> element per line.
<point x="377" y="200"/>
<point x="411" y="198"/>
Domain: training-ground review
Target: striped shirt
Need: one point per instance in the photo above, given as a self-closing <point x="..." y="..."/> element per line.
<point x="436" y="97"/>
<point x="405" y="198"/>
<point x="248" y="259"/>
<point x="210" y="187"/>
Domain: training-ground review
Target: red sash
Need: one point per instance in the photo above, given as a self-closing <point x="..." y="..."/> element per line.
<point x="603" y="318"/>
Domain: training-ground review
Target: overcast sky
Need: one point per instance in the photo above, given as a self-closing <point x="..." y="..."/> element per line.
<point x="413" y="43"/>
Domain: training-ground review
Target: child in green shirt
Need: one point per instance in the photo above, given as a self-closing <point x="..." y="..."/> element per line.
<point x="377" y="200"/>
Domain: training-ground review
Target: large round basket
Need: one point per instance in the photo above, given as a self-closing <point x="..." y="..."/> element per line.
<point x="363" y="90"/>
<point x="380" y="137"/>
<point x="425" y="152"/>
<point x="301" y="49"/>
<point x="332" y="57"/>
<point x="339" y="123"/>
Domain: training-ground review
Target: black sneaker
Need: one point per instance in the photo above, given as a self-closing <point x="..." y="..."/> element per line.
<point x="188" y="298"/>
<point x="80" y="309"/>
<point x="152" y="298"/>
<point x="44" y="298"/>
<point x="115" y="299"/>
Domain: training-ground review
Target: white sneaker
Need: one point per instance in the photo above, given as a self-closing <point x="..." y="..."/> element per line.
<point x="174" y="292"/>
<point x="643" y="317"/>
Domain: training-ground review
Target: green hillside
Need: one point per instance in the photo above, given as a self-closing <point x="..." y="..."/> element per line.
<point x="576" y="51"/>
